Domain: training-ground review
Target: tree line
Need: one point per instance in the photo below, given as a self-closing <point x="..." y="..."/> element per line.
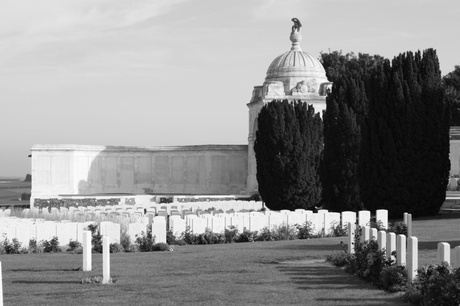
<point x="383" y="142"/>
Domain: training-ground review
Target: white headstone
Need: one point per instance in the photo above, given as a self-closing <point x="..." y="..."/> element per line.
<point x="331" y="220"/>
<point x="381" y="216"/>
<point x="443" y="252"/>
<point x="177" y="225"/>
<point x="87" y="250"/>
<point x="316" y="223"/>
<point x="1" y="285"/>
<point x="412" y="257"/>
<point x="409" y="225"/>
<point x="159" y="229"/>
<point x="66" y="232"/>
<point x="365" y="234"/>
<point x="351" y="237"/>
<point x="391" y="244"/>
<point x="296" y="218"/>
<point x="373" y="234"/>
<point x="198" y="225"/>
<point x="348" y="217"/>
<point x="135" y="230"/>
<point x="382" y="240"/>
<point x="106" y="260"/>
<point x="276" y="219"/>
<point x="401" y="250"/>
<point x="110" y="229"/>
<point x="364" y="217"/>
<point x="456" y="257"/>
<point x="218" y="224"/>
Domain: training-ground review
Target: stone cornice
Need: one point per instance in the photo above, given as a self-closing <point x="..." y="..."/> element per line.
<point x="96" y="148"/>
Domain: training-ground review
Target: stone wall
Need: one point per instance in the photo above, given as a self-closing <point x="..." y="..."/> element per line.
<point x="60" y="170"/>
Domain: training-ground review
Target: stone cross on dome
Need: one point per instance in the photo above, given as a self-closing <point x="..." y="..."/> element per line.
<point x="296" y="37"/>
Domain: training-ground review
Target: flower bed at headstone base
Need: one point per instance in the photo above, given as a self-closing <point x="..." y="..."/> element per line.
<point x="203" y="199"/>
<point x="58" y="203"/>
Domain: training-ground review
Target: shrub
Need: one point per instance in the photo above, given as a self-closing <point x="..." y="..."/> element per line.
<point x="161" y="246"/>
<point x="284" y="232"/>
<point x="304" y="231"/>
<point x="13" y="247"/>
<point x="210" y="237"/>
<point x="180" y="242"/>
<point x="51" y="246"/>
<point x="394" y="278"/>
<point x="368" y="261"/>
<point x="145" y="242"/>
<point x="246" y="236"/>
<point x="231" y="234"/>
<point x="338" y="230"/>
<point x="188" y="236"/>
<point x="265" y="235"/>
<point x="115" y="248"/>
<point x="399" y="228"/>
<point x="125" y="242"/>
<point x="96" y="238"/>
<point x="339" y="259"/>
<point x="74" y="245"/>
<point x="35" y="247"/>
<point x="439" y="285"/>
<point x="170" y="238"/>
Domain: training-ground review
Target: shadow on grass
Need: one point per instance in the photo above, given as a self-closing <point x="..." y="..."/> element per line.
<point x="45" y="282"/>
<point x="439" y="217"/>
<point x="433" y="245"/>
<point x="47" y="270"/>
<point x="334" y="284"/>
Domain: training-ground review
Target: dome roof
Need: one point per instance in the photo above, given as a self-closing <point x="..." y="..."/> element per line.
<point x="295" y="64"/>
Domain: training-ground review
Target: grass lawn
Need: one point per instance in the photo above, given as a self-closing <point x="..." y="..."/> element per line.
<point x="261" y="273"/>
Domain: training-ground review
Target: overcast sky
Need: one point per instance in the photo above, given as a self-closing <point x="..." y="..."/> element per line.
<point x="177" y="72"/>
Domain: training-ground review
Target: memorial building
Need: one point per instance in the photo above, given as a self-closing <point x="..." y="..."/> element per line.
<point x="84" y="170"/>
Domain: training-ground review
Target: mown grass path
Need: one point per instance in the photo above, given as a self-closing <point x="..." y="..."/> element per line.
<point x="262" y="273"/>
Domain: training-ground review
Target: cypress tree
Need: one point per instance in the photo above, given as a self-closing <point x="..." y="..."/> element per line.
<point x="342" y="140"/>
<point x="405" y="148"/>
<point x="451" y="84"/>
<point x="288" y="146"/>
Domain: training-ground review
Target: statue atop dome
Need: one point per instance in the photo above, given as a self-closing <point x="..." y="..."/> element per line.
<point x="296" y="27"/>
<point x="296" y="37"/>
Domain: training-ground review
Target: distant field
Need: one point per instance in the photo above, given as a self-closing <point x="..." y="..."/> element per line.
<point x="11" y="190"/>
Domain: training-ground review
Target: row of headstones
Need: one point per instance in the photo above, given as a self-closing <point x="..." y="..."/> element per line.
<point x="153" y="208"/>
<point x="321" y="222"/>
<point x="406" y="251"/>
<point x="25" y="229"/>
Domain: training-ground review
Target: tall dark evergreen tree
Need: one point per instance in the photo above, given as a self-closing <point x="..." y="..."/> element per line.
<point x="288" y="146"/>
<point x="345" y="112"/>
<point x="405" y="147"/>
<point x="342" y="141"/>
<point x="451" y="84"/>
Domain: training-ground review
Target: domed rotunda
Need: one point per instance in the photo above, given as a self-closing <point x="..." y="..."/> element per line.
<point x="294" y="75"/>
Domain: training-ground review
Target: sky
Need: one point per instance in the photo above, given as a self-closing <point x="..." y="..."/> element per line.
<point x="177" y="72"/>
